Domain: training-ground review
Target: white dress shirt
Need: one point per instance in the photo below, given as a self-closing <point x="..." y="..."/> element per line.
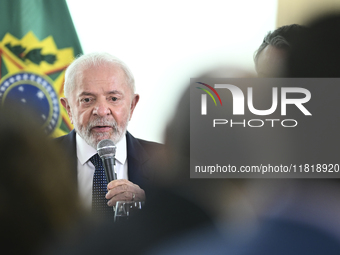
<point x="86" y="168"/>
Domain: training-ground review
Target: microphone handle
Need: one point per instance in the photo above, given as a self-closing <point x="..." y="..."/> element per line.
<point x="108" y="163"/>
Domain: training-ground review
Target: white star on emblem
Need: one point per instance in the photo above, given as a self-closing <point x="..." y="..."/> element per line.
<point x="23" y="100"/>
<point x="40" y="95"/>
<point x="21" y="88"/>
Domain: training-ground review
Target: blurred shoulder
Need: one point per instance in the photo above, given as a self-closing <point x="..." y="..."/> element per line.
<point x="66" y="138"/>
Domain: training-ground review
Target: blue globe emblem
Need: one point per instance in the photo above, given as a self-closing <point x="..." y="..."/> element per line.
<point x="34" y="92"/>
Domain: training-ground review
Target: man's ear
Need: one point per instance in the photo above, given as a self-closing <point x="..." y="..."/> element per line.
<point x="133" y="104"/>
<point x="65" y="103"/>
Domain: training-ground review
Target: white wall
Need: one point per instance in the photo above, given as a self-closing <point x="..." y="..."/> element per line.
<point x="165" y="43"/>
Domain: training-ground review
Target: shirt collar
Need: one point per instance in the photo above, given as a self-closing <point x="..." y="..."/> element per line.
<point x="121" y="151"/>
<point x="85" y="151"/>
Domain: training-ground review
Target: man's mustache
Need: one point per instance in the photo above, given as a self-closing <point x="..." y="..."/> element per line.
<point x="102" y="122"/>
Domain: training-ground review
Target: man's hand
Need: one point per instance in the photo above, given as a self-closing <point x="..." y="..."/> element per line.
<point x="123" y="190"/>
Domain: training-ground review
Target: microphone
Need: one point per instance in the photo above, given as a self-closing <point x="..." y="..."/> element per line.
<point x="107" y="150"/>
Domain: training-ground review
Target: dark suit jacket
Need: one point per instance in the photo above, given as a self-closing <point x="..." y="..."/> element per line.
<point x="142" y="157"/>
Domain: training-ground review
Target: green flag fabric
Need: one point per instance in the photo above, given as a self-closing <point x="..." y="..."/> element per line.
<point x="37" y="42"/>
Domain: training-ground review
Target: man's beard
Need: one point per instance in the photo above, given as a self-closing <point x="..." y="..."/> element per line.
<point x="93" y="138"/>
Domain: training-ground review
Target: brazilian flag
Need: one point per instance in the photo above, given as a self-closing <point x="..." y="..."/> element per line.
<point x="37" y="43"/>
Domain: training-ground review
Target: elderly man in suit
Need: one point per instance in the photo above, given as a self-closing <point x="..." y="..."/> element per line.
<point x="100" y="99"/>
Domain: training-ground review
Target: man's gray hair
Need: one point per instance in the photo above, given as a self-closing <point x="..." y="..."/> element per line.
<point x="85" y="61"/>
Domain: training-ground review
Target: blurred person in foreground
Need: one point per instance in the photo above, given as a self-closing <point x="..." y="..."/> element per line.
<point x="270" y="57"/>
<point x="100" y="99"/>
<point x="272" y="216"/>
<point x="38" y="199"/>
<point x="291" y="216"/>
<point x="311" y="204"/>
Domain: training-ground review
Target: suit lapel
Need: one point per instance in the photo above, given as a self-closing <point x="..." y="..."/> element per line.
<point x="68" y="143"/>
<point x="137" y="159"/>
<point x="136" y="155"/>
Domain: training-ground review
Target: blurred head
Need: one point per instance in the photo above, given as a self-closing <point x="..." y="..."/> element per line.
<point x="317" y="53"/>
<point x="222" y="197"/>
<point x="271" y="55"/>
<point x="177" y="133"/>
<point x="37" y="194"/>
<point x="99" y="97"/>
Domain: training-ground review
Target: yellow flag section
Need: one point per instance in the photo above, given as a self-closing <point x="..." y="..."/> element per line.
<point x="27" y="67"/>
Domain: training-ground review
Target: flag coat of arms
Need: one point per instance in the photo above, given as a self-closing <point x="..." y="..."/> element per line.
<point x="37" y="43"/>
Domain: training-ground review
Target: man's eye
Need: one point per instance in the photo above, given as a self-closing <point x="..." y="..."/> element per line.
<point x="86" y="100"/>
<point x="114" y="98"/>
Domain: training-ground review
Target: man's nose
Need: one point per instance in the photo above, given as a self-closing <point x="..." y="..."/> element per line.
<point x="101" y="109"/>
